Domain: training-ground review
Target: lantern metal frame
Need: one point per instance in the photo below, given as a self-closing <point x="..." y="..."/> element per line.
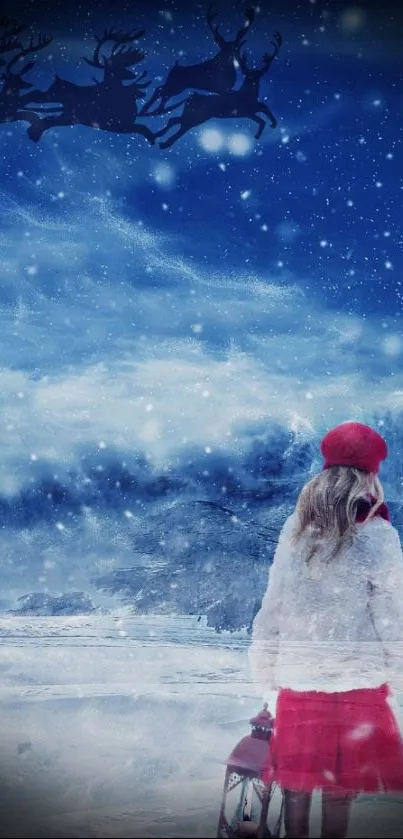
<point x="235" y="776"/>
<point x="245" y="767"/>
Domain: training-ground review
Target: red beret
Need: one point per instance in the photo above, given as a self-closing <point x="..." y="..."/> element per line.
<point x="354" y="444"/>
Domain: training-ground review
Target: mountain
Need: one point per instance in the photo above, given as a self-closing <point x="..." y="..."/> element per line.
<point x="196" y="557"/>
<point x="72" y="603"/>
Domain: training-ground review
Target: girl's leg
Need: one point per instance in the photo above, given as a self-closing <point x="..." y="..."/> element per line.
<point x="297" y="806"/>
<point x="335" y="815"/>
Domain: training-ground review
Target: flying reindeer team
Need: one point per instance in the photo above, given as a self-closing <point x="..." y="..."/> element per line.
<point x="111" y="104"/>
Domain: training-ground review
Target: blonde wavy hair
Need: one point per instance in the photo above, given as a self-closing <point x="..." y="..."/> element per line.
<point x="327" y="507"/>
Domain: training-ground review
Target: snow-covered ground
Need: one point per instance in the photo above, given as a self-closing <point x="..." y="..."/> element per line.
<point x="117" y="726"/>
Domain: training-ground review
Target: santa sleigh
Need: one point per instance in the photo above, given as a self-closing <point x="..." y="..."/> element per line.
<point x="250" y="807"/>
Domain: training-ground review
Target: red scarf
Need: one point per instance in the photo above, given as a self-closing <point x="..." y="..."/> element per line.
<point x="365" y="506"/>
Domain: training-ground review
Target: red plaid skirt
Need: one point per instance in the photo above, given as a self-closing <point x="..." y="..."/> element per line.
<point x="347" y="741"/>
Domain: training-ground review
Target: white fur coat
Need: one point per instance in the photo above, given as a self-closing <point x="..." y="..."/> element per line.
<point x="335" y="625"/>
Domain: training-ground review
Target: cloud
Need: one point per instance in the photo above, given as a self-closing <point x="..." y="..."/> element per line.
<point x="108" y="334"/>
<point x="167" y="399"/>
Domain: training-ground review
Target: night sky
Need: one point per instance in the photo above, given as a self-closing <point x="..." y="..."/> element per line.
<point x="318" y="198"/>
<point x="154" y="300"/>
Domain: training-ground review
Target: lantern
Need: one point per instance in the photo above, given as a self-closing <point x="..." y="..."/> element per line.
<point x="246" y="798"/>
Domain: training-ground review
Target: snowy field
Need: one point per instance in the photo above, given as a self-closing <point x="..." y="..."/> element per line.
<point x="117" y="726"/>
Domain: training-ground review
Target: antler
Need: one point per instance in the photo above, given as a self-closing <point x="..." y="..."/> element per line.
<point x="7" y="46"/>
<point x="278" y="40"/>
<point x="9" y="36"/>
<point x="250" y="17"/>
<point x="268" y="58"/>
<point x="32" y="47"/>
<point x="95" y="60"/>
<point x="137" y="79"/>
<point x="242" y="61"/>
<point x="11" y="27"/>
<point x="139" y="85"/>
<point x="119" y="39"/>
<point x="211" y="16"/>
<point x="124" y="56"/>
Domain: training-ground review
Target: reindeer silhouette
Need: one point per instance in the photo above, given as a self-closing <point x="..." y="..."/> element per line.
<point x="217" y="75"/>
<point x="109" y="104"/>
<point x="12" y="97"/>
<point x="9" y="32"/>
<point x="234" y="104"/>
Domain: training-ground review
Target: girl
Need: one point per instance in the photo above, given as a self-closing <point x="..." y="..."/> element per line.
<point x="329" y="636"/>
